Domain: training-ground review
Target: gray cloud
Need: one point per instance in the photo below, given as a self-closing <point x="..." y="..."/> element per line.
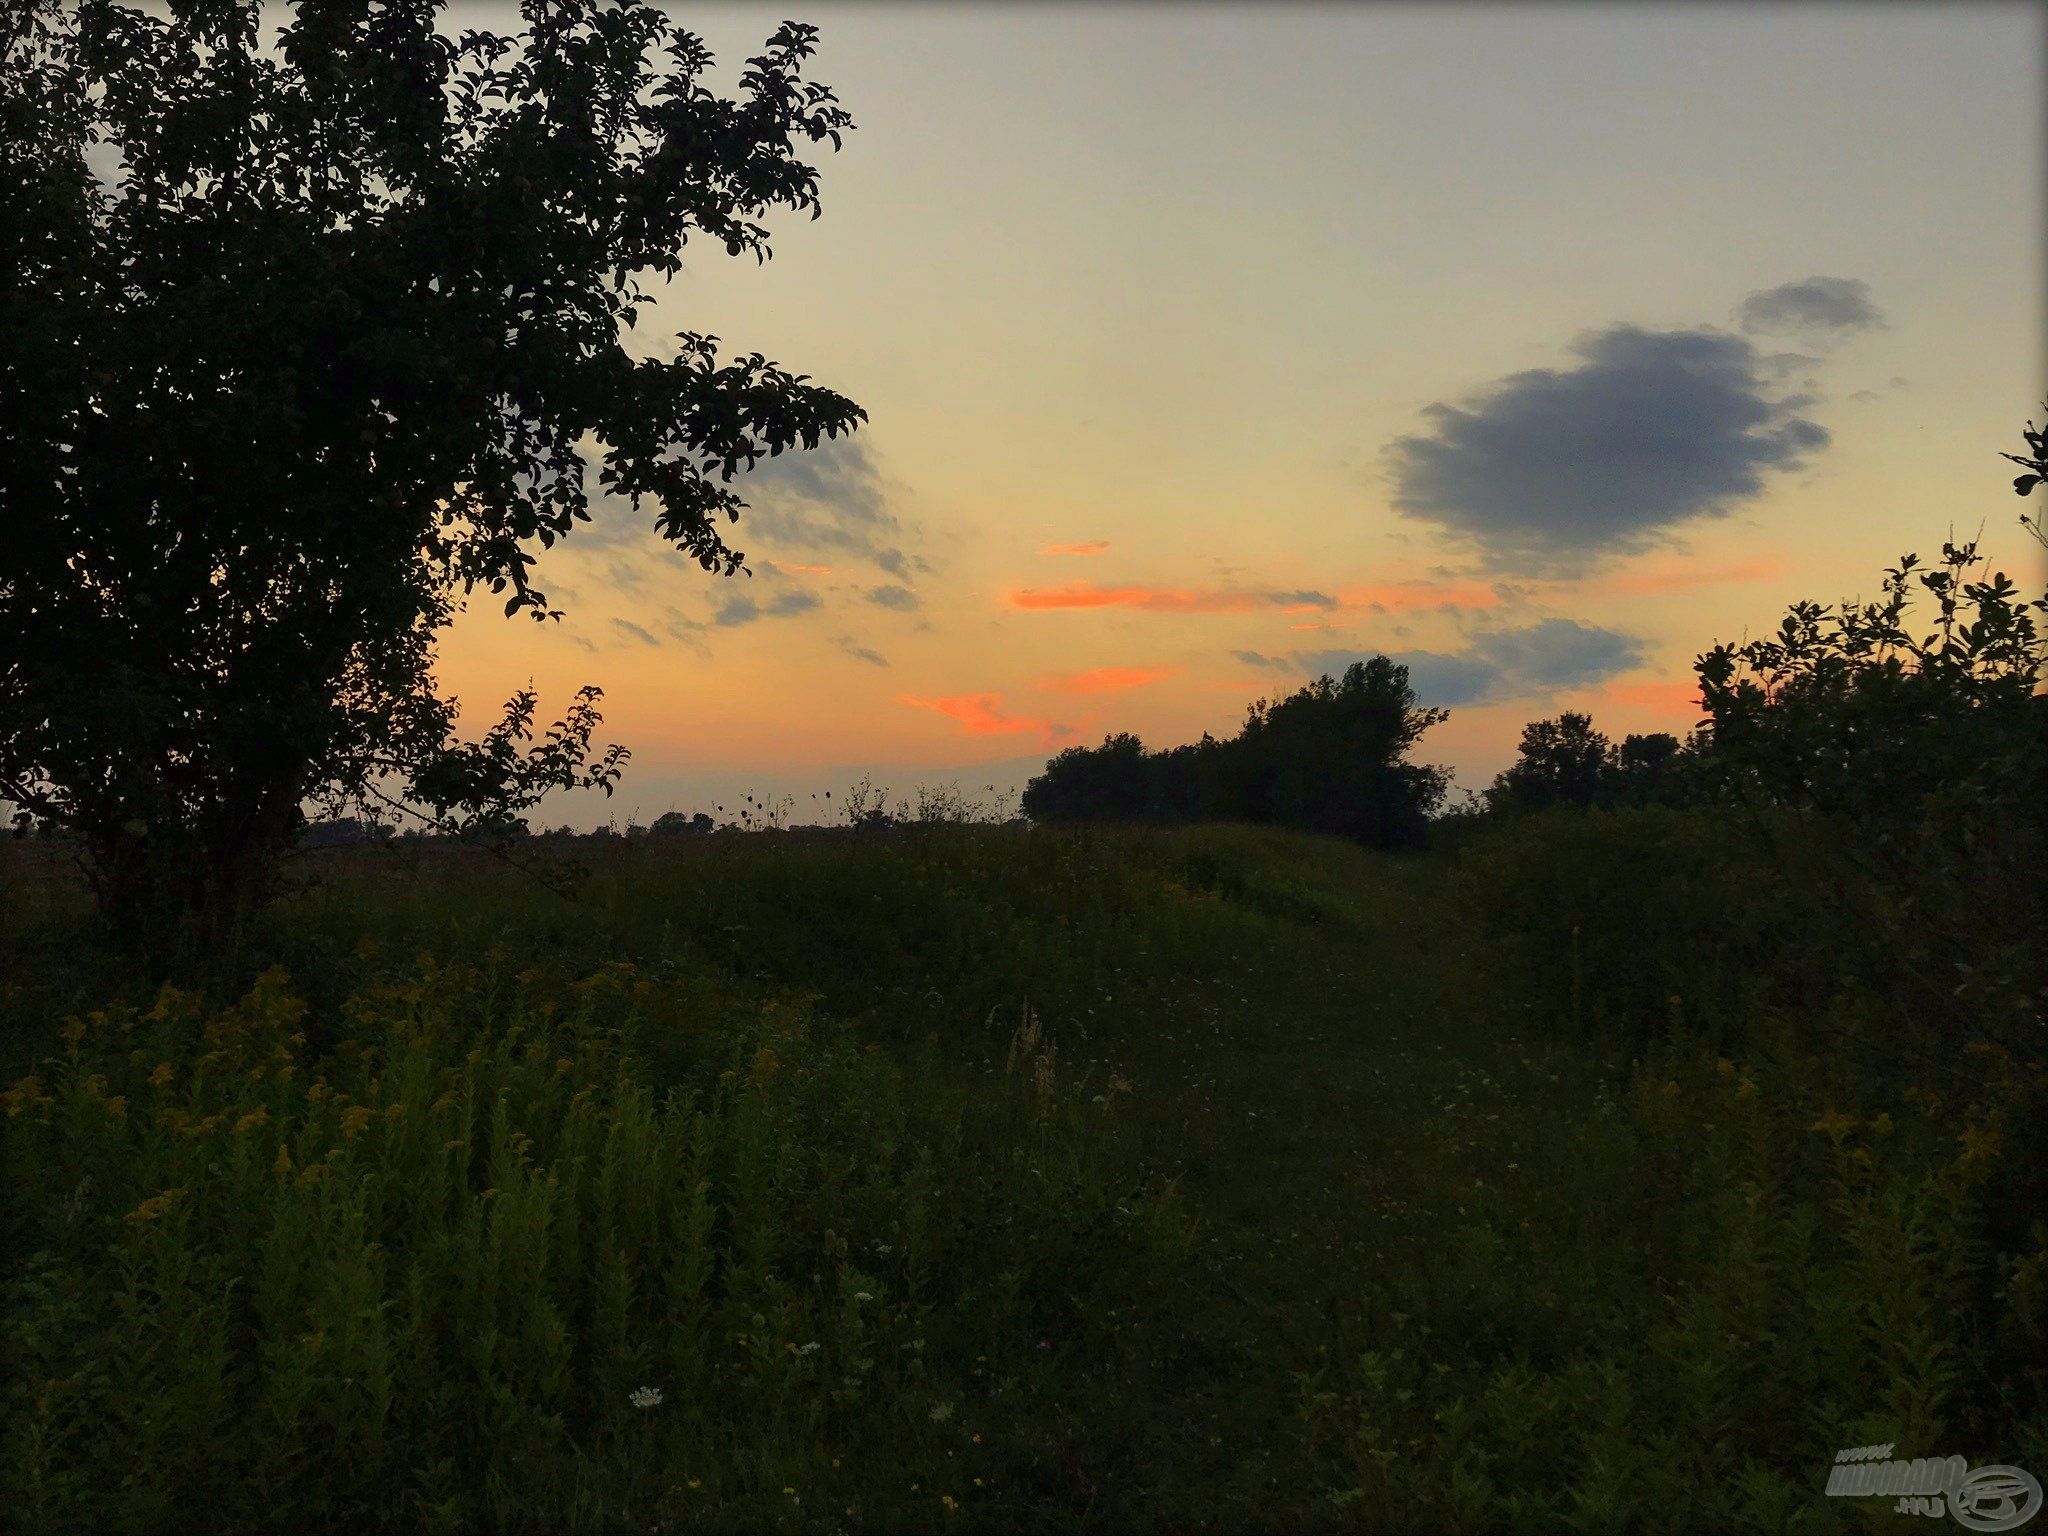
<point x="1828" y="307"/>
<point x="742" y="609"/>
<point x="825" y="500"/>
<point x="1303" y="599"/>
<point x="861" y="652"/>
<point x="634" y="631"/>
<point x="1533" y="661"/>
<point x="1262" y="660"/>
<point x="1552" y="469"/>
<point x="902" y="599"/>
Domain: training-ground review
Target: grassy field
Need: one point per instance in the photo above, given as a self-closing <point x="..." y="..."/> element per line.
<point x="971" y="1178"/>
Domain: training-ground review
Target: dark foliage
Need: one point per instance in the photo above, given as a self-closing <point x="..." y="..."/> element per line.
<point x="339" y="342"/>
<point x="1331" y="757"/>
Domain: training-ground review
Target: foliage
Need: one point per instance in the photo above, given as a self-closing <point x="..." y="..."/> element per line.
<point x="1567" y="762"/>
<point x="1331" y="757"/>
<point x="1849" y="710"/>
<point x="1365" y="1231"/>
<point x="336" y="341"/>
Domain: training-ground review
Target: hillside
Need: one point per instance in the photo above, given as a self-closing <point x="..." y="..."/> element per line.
<point x="969" y="1179"/>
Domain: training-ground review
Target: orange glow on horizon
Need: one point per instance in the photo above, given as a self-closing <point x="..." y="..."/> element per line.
<point x="1094" y="547"/>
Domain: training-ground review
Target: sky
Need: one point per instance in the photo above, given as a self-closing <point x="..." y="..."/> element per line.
<point x="1205" y="349"/>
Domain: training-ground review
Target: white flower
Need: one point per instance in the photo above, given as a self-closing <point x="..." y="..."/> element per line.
<point x="646" y="1397"/>
<point x="863" y="1295"/>
<point x="941" y="1412"/>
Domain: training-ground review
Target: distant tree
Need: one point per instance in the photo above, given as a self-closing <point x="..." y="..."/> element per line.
<point x="1331" y="757"/>
<point x="675" y="823"/>
<point x="339" y="340"/>
<point x="1647" y="770"/>
<point x="1112" y="782"/>
<point x="1561" y="762"/>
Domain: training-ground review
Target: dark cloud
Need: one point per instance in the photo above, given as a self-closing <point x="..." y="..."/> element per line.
<point x="825" y="500"/>
<point x="1261" y="660"/>
<point x="634" y="632"/>
<point x="743" y="609"/>
<point x="1552" y="469"/>
<point x="1303" y="599"/>
<point x="902" y="599"/>
<point x="1818" y="306"/>
<point x="861" y="652"/>
<point x="1534" y="661"/>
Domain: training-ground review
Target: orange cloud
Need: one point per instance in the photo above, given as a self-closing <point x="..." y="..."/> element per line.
<point x="981" y="714"/>
<point x="1105" y="679"/>
<point x="1389" y="597"/>
<point x="807" y="570"/>
<point x="1681" y="578"/>
<point x="1094" y="548"/>
<point x="1085" y="594"/>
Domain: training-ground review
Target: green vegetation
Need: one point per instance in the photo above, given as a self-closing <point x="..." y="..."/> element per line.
<point x="973" y="1178"/>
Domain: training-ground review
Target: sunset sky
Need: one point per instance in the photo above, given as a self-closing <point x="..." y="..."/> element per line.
<point x="1206" y="349"/>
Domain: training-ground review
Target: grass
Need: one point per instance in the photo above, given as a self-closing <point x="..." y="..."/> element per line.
<point x="976" y="1179"/>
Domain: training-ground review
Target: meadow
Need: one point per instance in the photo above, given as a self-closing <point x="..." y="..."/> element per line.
<point x="1573" y="1175"/>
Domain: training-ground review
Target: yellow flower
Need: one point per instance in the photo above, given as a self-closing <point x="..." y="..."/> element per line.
<point x="249" y="1122"/>
<point x="1980" y="1144"/>
<point x="948" y="1500"/>
<point x="154" y="1206"/>
<point x="25" y="1094"/>
<point x="355" y="1121"/>
<point x="283" y="1166"/>
<point x="73" y="1030"/>
<point x="1746" y="1089"/>
<point x="117" y="1105"/>
<point x="1834" y="1123"/>
<point x="696" y="1482"/>
<point x="161" y="1075"/>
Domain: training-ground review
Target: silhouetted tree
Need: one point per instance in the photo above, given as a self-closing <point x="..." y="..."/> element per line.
<point x="1112" y="782"/>
<point x="1331" y="757"/>
<point x="1647" y="770"/>
<point x="339" y="340"/>
<point x="1560" y="762"/>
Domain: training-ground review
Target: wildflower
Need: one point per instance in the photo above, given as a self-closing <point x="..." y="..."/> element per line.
<point x="154" y="1206"/>
<point x="355" y="1121"/>
<point x="941" y="1412"/>
<point x="863" y="1295"/>
<point x="1834" y="1123"/>
<point x="251" y="1120"/>
<point x="117" y="1106"/>
<point x="1979" y="1143"/>
<point x="647" y="1397"/>
<point x="283" y="1166"/>
<point x="948" y="1500"/>
<point x="698" y="1482"/>
<point x="161" y="1075"/>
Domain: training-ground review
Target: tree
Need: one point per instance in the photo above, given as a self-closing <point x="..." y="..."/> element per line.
<point x="1331" y="757"/>
<point x="339" y="340"/>
<point x="1111" y="782"/>
<point x="1561" y="762"/>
